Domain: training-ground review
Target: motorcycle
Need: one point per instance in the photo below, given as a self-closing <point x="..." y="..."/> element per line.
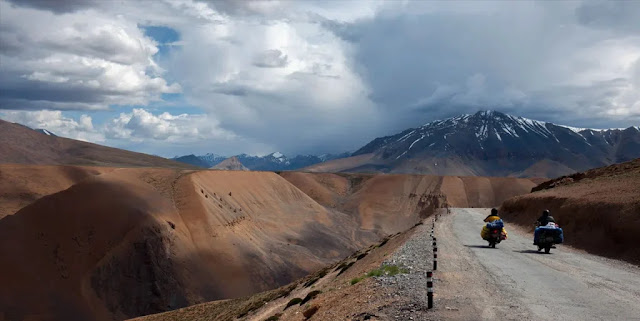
<point x="494" y="233"/>
<point x="495" y="236"/>
<point x="546" y="237"/>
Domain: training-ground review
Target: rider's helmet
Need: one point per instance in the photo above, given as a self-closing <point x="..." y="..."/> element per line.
<point x="545" y="213"/>
<point x="494" y="211"/>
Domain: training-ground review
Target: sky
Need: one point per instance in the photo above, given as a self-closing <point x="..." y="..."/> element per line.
<point x="176" y="77"/>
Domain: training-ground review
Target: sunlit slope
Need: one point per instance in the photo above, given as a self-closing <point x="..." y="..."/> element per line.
<point x="138" y="241"/>
<point x="392" y="203"/>
<point x="599" y="209"/>
<point x="22" y="145"/>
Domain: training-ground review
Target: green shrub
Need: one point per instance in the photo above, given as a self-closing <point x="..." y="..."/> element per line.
<point x="376" y="272"/>
<point x="388" y="270"/>
<point x="356" y="280"/>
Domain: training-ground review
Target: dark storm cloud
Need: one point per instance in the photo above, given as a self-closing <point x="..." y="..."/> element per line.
<point x="56" y="6"/>
<point x="317" y="76"/>
<point x="614" y="15"/>
<point x="531" y="59"/>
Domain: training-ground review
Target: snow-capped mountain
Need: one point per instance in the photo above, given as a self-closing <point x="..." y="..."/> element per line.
<point x="493" y="143"/>
<point x="44" y="131"/>
<point x="212" y="159"/>
<point x="272" y="162"/>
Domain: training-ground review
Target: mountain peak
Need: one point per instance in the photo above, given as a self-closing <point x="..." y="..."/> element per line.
<point x="488" y="113"/>
<point x="479" y="141"/>
<point x="44" y="131"/>
<point x="230" y="164"/>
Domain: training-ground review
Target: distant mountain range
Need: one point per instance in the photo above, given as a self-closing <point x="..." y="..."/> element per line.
<point x="272" y="162"/>
<point x="487" y="143"/>
<point x="490" y="143"/>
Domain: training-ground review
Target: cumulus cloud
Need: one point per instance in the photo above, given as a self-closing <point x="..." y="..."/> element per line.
<point x="140" y="125"/>
<point x="79" y="60"/>
<point x="317" y="76"/>
<point x="57" y="123"/>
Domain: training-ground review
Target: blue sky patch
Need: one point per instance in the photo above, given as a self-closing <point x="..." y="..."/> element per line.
<point x="161" y="34"/>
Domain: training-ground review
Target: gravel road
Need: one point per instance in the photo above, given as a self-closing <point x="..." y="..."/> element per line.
<point x="415" y="257"/>
<point x="514" y="281"/>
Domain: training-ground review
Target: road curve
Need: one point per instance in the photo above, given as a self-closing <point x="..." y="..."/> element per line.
<point x="514" y="281"/>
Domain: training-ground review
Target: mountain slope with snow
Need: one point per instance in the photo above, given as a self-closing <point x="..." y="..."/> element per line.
<point x="272" y="162"/>
<point x="491" y="143"/>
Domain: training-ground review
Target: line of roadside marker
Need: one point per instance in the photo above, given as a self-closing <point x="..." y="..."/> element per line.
<point x="429" y="290"/>
<point x="435" y="265"/>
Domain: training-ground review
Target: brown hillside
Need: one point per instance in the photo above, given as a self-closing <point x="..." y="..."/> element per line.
<point x="598" y="209"/>
<point x="20" y="185"/>
<point x="392" y="203"/>
<point x="341" y="164"/>
<point x="546" y="168"/>
<point x="122" y="242"/>
<point x="21" y="145"/>
<point x="337" y="297"/>
<point x="231" y="164"/>
<point x="138" y="241"/>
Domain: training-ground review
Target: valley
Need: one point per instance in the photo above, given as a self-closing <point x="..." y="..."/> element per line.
<point x="113" y="238"/>
<point x="124" y="242"/>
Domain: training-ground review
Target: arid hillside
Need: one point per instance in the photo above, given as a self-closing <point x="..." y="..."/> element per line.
<point x="137" y="241"/>
<point x="21" y="185"/>
<point x="104" y="243"/>
<point x="330" y="289"/>
<point x="393" y="203"/>
<point x="231" y="164"/>
<point x="22" y="145"/>
<point x="599" y="209"/>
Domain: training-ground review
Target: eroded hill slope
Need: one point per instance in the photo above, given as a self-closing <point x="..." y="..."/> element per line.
<point x="599" y="209"/>
<point x="122" y="242"/>
<point x="137" y="241"/>
<point x="21" y="185"/>
<point x="22" y="145"/>
<point x="393" y="203"/>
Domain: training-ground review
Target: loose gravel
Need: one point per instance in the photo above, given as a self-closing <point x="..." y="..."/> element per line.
<point x="416" y="256"/>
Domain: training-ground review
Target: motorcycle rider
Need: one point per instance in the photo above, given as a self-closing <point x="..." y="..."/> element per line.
<point x="484" y="233"/>
<point x="545" y="219"/>
<point x="493" y="216"/>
